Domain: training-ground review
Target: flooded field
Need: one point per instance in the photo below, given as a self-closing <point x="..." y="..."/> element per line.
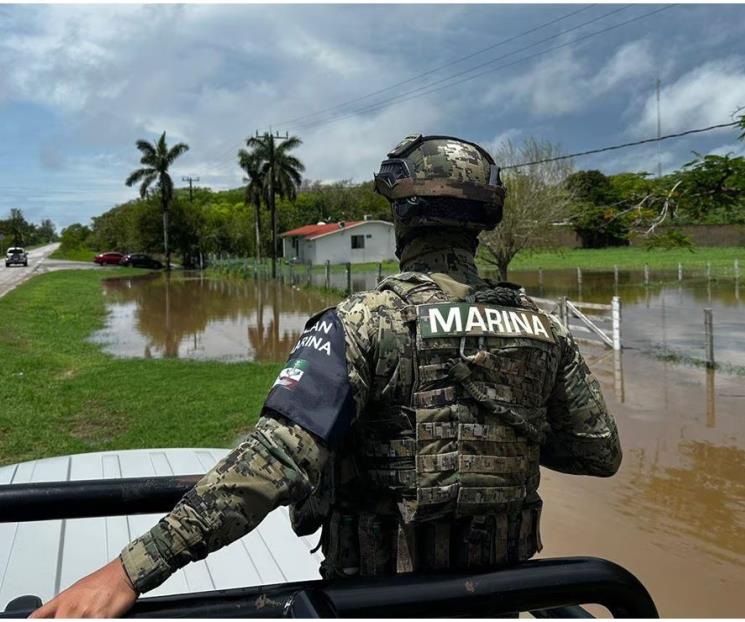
<point x="191" y="316"/>
<point x="674" y="514"/>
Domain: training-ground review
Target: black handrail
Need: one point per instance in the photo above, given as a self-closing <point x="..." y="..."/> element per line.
<point x="534" y="585"/>
<point x="96" y="497"/>
<point x="537" y="585"/>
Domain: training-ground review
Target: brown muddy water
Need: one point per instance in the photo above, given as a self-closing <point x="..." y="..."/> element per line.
<point x="674" y="514"/>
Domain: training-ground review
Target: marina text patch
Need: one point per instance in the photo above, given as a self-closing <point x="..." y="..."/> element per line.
<point x="462" y="319"/>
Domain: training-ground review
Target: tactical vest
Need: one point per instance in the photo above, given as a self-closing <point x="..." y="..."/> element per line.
<point x="442" y="471"/>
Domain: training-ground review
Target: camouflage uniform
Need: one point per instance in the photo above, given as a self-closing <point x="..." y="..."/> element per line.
<point x="413" y="449"/>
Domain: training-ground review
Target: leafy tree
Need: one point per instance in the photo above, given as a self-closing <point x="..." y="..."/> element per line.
<point x="281" y="172"/>
<point x="74" y="237"/>
<point x="18" y="227"/>
<point x="711" y="189"/>
<point x="597" y="213"/>
<point x="157" y="158"/>
<point x="47" y="232"/>
<point x="536" y="199"/>
<point x="669" y="240"/>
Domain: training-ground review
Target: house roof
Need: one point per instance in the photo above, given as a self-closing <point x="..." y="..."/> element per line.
<point x="311" y="232"/>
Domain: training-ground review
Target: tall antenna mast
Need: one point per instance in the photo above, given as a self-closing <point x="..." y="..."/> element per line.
<point x="659" y="133"/>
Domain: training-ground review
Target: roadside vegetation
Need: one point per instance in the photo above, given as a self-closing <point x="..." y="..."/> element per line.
<point x="15" y="230"/>
<point x="60" y="394"/>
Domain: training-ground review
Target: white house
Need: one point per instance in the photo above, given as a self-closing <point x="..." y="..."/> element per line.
<point x="358" y="241"/>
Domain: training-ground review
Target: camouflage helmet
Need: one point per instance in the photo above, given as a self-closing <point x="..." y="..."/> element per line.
<point x="441" y="181"/>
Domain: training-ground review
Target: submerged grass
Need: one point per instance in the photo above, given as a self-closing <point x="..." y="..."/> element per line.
<point x="61" y="394"/>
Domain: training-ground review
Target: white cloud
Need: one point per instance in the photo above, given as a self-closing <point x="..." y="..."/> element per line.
<point x="706" y="95"/>
<point x="563" y="82"/>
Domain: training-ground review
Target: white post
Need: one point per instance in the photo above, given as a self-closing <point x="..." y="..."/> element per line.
<point x="579" y="276"/>
<point x="680" y="271"/>
<point x="646" y="274"/>
<point x="540" y="278"/>
<point x="616" y="319"/>
<point x="708" y="271"/>
<point x="737" y="268"/>
<point x="563" y="317"/>
<point x="615" y="275"/>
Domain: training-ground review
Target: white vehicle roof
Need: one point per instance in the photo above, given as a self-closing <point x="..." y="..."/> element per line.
<point x="15" y="249"/>
<point x="45" y="557"/>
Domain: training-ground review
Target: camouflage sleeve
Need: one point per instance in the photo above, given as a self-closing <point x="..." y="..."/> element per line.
<point x="583" y="438"/>
<point x="279" y="463"/>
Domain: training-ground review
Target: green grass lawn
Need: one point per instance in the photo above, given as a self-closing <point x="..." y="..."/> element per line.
<point x="61" y="394"/>
<point x="628" y="258"/>
<point x="74" y="254"/>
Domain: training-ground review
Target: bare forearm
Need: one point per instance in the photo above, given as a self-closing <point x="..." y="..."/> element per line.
<point x="279" y="463"/>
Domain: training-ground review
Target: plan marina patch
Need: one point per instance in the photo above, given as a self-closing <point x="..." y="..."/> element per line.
<point x="462" y="319"/>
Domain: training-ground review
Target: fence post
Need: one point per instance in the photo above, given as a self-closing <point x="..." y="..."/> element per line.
<point x="308" y="273"/>
<point x="737" y="268"/>
<point x="646" y="275"/>
<point x="616" y="320"/>
<point x="327" y="280"/>
<point x="615" y="275"/>
<point x="579" y="276"/>
<point x="563" y="312"/>
<point x="540" y="279"/>
<point x="709" y="336"/>
<point x="680" y="271"/>
<point x="292" y="276"/>
<point x="380" y="271"/>
<point x="708" y="271"/>
<point x="349" y="278"/>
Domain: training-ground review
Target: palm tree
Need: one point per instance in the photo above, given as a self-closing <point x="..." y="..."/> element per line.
<point x="156" y="159"/>
<point x="281" y="172"/>
<point x="254" y="191"/>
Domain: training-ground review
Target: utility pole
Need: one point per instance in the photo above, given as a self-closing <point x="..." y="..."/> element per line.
<point x="659" y="133"/>
<point x="270" y="193"/>
<point x="191" y="180"/>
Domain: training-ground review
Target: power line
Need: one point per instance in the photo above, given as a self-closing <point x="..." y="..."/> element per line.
<point x="413" y="78"/>
<point x="428" y="87"/>
<point x="491" y="70"/>
<point x="624" y="145"/>
<point x="438" y="68"/>
<point x="412" y="94"/>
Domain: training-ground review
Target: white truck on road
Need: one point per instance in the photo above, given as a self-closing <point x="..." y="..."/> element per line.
<point x="16" y="255"/>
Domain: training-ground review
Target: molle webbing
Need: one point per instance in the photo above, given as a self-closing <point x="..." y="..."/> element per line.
<point x="452" y="440"/>
<point x="370" y="545"/>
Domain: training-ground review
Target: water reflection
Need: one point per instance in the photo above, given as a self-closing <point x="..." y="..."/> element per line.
<point x="675" y="512"/>
<point x="196" y="317"/>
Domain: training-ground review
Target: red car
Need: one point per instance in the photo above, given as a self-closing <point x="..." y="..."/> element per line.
<point x="108" y="258"/>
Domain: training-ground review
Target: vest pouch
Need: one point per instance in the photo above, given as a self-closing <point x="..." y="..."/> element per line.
<point x="377" y="544"/>
<point x="342" y="555"/>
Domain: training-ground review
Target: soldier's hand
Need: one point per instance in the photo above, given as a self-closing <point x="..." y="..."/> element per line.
<point x="106" y="593"/>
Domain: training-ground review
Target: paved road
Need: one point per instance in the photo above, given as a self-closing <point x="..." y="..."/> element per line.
<point x="14" y="275"/>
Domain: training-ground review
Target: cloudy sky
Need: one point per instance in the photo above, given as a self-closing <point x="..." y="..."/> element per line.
<point x="79" y="84"/>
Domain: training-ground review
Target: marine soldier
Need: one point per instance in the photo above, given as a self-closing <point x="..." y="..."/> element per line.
<point x="409" y="422"/>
